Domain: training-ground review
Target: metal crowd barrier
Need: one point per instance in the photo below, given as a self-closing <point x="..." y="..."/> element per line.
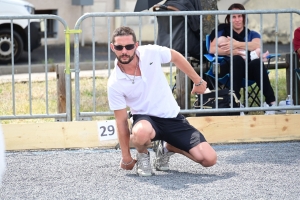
<point x="83" y="114"/>
<point x="87" y="115"/>
<point x="45" y="94"/>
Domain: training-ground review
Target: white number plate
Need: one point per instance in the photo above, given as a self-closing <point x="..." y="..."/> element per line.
<point x="107" y="130"/>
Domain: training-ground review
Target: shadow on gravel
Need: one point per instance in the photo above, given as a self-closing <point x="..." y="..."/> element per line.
<point x="174" y="180"/>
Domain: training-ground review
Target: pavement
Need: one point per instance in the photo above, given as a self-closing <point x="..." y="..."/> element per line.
<point x="56" y="53"/>
<point x="243" y="171"/>
<point x="56" y="56"/>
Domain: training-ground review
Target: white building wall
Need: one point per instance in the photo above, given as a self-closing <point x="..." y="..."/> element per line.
<point x="269" y="22"/>
<point x="71" y="14"/>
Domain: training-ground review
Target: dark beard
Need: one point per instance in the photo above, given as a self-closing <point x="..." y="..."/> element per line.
<point x="127" y="62"/>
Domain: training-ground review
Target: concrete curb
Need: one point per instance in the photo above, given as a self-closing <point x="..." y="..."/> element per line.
<point x="38" y="72"/>
<point x="40" y="68"/>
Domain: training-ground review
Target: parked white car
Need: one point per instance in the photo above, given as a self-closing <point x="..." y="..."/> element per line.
<point x="20" y="30"/>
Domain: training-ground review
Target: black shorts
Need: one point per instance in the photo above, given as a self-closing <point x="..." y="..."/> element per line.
<point x="175" y="131"/>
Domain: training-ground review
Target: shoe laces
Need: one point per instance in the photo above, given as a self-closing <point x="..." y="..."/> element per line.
<point x="144" y="161"/>
<point x="164" y="160"/>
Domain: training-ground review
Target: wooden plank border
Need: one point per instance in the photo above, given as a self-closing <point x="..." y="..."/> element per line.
<point x="252" y="128"/>
<point x="84" y="134"/>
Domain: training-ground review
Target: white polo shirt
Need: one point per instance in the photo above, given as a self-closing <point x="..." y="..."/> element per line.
<point x="150" y="94"/>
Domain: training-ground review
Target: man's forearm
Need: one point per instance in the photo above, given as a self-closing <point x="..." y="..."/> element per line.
<point x="220" y="51"/>
<point x="298" y="51"/>
<point x="182" y="64"/>
<point x="251" y="45"/>
<point x="123" y="131"/>
<point x="124" y="138"/>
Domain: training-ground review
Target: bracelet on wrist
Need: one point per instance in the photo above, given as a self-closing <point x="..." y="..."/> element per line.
<point x="126" y="164"/>
<point x="198" y="84"/>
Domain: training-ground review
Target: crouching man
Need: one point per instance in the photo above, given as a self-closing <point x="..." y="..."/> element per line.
<point x="139" y="83"/>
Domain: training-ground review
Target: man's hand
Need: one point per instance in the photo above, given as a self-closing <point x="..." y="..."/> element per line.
<point x="226" y="46"/>
<point x="199" y="89"/>
<point x="239" y="52"/>
<point x="127" y="164"/>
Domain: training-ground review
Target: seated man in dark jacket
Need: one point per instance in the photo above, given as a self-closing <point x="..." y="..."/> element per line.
<point x="238" y="50"/>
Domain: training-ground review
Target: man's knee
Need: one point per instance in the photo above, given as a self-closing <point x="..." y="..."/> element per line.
<point x="210" y="161"/>
<point x="207" y="160"/>
<point x="142" y="132"/>
<point x="139" y="137"/>
<point x="204" y="154"/>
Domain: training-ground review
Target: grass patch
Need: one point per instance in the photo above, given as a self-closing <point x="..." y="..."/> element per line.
<point x="278" y="83"/>
<point x="34" y="99"/>
<point x="37" y="100"/>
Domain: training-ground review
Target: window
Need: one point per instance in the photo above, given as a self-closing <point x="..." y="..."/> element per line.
<point x="117" y="4"/>
<point x="51" y="23"/>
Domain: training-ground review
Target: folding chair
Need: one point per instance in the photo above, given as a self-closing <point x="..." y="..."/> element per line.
<point x="224" y="82"/>
<point x="253" y="91"/>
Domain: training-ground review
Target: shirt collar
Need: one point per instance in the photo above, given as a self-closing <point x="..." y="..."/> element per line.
<point x="121" y="75"/>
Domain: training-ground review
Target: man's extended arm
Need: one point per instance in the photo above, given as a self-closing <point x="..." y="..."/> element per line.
<point x="124" y="138"/>
<point x="182" y="64"/>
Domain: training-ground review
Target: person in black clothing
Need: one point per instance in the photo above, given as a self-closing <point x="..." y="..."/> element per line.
<point x="178" y="27"/>
<point x="238" y="50"/>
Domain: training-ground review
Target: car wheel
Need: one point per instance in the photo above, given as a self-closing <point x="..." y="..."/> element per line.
<point x="6" y="46"/>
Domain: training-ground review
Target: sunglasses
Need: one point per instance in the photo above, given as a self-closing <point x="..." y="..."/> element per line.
<point x="127" y="47"/>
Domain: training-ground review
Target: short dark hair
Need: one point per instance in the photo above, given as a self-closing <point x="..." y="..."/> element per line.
<point x="123" y="31"/>
<point x="235" y="6"/>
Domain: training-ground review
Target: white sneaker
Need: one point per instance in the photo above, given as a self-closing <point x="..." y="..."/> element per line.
<point x="268" y="112"/>
<point x="161" y="162"/>
<point x="143" y="166"/>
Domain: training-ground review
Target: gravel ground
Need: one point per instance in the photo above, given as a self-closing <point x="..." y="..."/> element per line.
<point x="243" y="171"/>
